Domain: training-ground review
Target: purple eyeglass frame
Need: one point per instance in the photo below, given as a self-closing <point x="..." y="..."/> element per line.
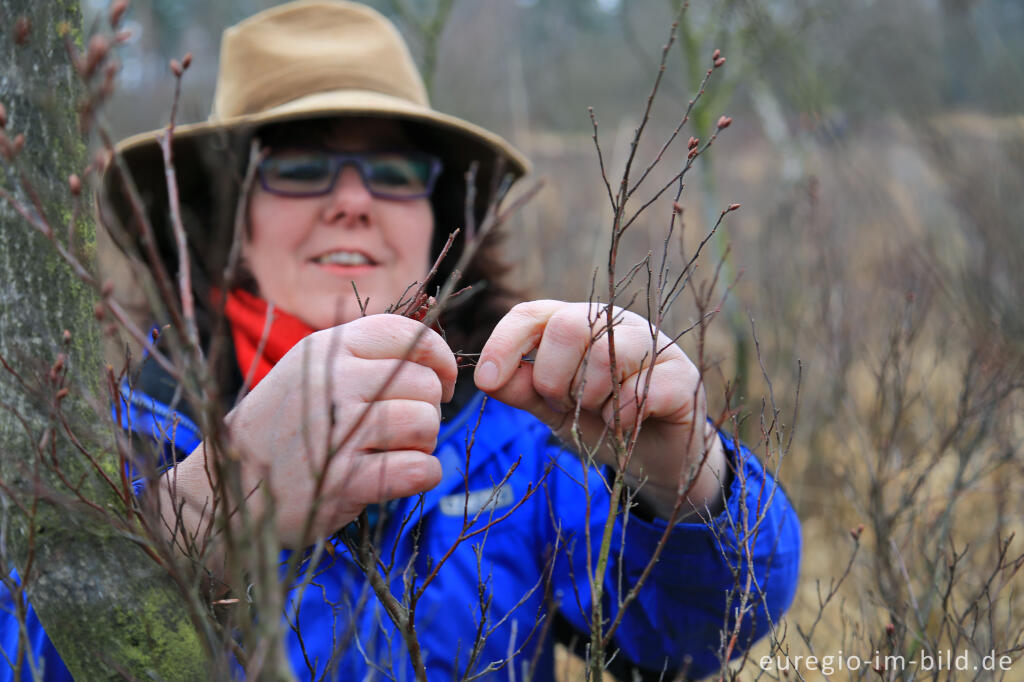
<point x="358" y="159"/>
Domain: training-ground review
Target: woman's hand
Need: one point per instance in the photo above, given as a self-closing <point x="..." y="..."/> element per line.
<point x="358" y="405"/>
<point x="572" y="364"/>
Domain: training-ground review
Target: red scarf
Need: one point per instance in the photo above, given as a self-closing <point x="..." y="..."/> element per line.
<point x="247" y="315"/>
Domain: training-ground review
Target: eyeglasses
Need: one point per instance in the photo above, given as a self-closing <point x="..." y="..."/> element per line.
<point x="314" y="172"/>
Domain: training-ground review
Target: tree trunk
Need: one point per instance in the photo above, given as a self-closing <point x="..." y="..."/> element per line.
<point x="110" y="610"/>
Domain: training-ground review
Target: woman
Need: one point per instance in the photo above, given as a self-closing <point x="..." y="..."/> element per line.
<point x="358" y="186"/>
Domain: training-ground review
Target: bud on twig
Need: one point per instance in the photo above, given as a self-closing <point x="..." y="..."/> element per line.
<point x="186" y="61"/>
<point x="107" y="289"/>
<point x="855" y="532"/>
<point x="733" y="207"/>
<point x="715" y="55"/>
<point x="890" y="629"/>
<point x="99" y="46"/>
<point x="109" y="73"/>
<point x="719" y="62"/>
<point x="421" y="307"/>
<point x="98" y="311"/>
<point x="75" y="184"/>
<point x="117" y="11"/>
<point x="101" y="159"/>
<point x="3" y="117"/>
<point x="692" y="153"/>
<point x="67" y="336"/>
<point x="62" y="393"/>
<point x="57" y="367"/>
<point x="677" y="208"/>
<point x="176" y="68"/>
<point x="21" y="30"/>
<point x="694" y="141"/>
<point x="724" y="122"/>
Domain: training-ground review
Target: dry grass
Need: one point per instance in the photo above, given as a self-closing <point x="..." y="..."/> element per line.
<point x="867" y="271"/>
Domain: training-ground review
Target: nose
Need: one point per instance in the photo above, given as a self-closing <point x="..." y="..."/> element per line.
<point x="349" y="202"/>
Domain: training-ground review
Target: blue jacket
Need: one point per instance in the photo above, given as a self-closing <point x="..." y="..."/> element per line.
<point x="689" y="596"/>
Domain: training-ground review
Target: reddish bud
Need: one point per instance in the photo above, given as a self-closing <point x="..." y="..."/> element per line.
<point x="98" y="311"/>
<point x="67" y="336"/>
<point x="422" y="306"/>
<point x="715" y="55"/>
<point x="57" y="367"/>
<point x="123" y="36"/>
<point x="890" y="629"/>
<point x="724" y="122"/>
<point x="117" y="10"/>
<point x="693" y="153"/>
<point x="22" y="27"/>
<point x="62" y="393"/>
<point x="75" y="184"/>
<point x="186" y="61"/>
<point x="733" y="207"/>
<point x="99" y="46"/>
<point x="719" y="62"/>
<point x="694" y="141"/>
<point x="677" y="208"/>
<point x="107" y="289"/>
<point x="3" y="116"/>
<point x="855" y="532"/>
<point x="176" y="68"/>
<point x="109" y="74"/>
<point x="19" y="143"/>
<point x="101" y="159"/>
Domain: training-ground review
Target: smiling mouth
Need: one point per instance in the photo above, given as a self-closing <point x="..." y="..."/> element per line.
<point x="344" y="258"/>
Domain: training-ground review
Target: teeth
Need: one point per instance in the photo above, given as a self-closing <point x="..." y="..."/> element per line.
<point x="344" y="258"/>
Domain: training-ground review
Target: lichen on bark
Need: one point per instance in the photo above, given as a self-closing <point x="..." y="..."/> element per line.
<point x="109" y="608"/>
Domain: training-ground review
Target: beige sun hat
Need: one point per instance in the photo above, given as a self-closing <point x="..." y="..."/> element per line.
<point x="302" y="60"/>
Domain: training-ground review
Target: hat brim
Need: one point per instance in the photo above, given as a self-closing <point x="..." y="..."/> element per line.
<point x="209" y="159"/>
<point x="343" y="103"/>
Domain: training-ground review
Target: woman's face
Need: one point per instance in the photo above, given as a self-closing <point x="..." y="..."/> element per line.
<point x="306" y="252"/>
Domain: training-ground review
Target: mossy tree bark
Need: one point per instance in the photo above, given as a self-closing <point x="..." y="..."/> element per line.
<point x="111" y="611"/>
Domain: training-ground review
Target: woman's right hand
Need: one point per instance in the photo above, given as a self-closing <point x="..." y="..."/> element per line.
<point x="358" y="404"/>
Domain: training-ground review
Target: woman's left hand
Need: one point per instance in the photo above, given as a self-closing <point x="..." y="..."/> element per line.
<point x="571" y="366"/>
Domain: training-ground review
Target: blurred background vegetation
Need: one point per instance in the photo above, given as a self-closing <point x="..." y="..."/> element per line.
<point x="877" y="149"/>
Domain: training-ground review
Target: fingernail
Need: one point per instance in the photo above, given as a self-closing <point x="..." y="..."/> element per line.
<point x="486" y="374"/>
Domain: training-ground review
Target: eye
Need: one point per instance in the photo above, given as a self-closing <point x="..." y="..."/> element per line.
<point x="298" y="168"/>
<point x="391" y="172"/>
<point x="397" y="172"/>
<point x="391" y="176"/>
